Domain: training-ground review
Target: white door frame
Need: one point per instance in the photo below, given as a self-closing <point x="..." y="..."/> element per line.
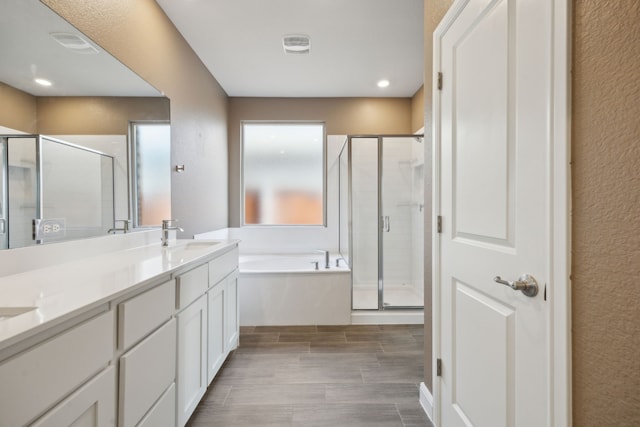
<point x="559" y="290"/>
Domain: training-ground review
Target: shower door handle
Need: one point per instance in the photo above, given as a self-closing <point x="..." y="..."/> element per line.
<point x="387" y="224"/>
<point x="3" y="226"/>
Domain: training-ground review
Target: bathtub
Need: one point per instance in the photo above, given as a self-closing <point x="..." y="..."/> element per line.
<point x="286" y="289"/>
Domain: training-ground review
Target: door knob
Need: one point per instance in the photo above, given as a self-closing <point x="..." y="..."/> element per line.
<point x="525" y="283"/>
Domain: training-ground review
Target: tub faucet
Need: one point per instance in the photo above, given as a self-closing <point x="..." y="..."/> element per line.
<point x="326" y="258"/>
<point x="124" y="229"/>
<point x="166" y="228"/>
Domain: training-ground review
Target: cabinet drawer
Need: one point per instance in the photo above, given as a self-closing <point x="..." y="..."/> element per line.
<point x="220" y="267"/>
<point x="140" y="315"/>
<point x="34" y="380"/>
<point x="191" y="285"/>
<point x="93" y="404"/>
<point x="163" y="413"/>
<point x="146" y="371"/>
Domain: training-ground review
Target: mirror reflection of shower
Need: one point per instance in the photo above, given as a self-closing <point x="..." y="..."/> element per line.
<point x="382" y="217"/>
<point x="52" y="191"/>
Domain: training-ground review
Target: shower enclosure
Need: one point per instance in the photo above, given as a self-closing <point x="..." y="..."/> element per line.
<point x="51" y="191"/>
<point x="382" y="220"/>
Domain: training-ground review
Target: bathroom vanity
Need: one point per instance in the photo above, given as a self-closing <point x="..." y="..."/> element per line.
<point x="128" y="337"/>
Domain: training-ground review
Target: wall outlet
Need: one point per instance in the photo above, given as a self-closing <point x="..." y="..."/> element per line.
<point x="48" y="228"/>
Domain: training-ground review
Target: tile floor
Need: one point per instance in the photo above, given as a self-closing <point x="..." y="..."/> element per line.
<point x="356" y="375"/>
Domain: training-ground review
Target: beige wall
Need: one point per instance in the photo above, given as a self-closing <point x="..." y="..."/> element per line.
<point x="417" y="110"/>
<point x="606" y="208"/>
<point x="343" y="116"/>
<point x="139" y="34"/>
<point x="96" y="115"/>
<point x="18" y="110"/>
<point x="606" y="213"/>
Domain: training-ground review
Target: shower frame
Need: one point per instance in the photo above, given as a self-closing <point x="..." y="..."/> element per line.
<point x="348" y="145"/>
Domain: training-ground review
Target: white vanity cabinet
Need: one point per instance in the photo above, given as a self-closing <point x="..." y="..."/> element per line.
<point x="206" y="301"/>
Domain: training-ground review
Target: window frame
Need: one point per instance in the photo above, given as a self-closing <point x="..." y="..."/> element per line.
<point x="324" y="172"/>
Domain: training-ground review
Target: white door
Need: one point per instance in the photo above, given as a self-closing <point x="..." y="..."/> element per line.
<point x="494" y="132"/>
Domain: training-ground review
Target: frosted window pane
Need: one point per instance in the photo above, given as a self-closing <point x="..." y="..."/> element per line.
<point x="283" y="173"/>
<point x="153" y="173"/>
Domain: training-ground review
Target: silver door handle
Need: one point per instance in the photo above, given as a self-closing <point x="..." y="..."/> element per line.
<point x="3" y="226"/>
<point x="387" y="224"/>
<point x="525" y="283"/>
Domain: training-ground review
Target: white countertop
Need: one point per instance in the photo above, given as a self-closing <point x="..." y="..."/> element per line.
<point x="63" y="291"/>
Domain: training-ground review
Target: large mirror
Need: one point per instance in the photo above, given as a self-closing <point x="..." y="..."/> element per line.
<point x="91" y="100"/>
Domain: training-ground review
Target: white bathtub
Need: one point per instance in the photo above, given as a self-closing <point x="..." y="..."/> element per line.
<point x="286" y="289"/>
<point x="289" y="263"/>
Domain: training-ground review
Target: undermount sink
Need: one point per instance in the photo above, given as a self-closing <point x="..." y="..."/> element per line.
<point x="8" y="312"/>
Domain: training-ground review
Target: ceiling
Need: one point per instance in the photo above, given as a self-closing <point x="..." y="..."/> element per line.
<point x="354" y="44"/>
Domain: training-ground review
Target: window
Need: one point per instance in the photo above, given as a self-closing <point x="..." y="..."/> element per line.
<point x="151" y="171"/>
<point x="283" y="173"/>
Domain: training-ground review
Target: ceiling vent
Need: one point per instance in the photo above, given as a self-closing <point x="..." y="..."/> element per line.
<point x="296" y="44"/>
<point x="74" y="43"/>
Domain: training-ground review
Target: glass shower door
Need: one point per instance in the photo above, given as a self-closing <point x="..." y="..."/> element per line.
<point x="402" y="222"/>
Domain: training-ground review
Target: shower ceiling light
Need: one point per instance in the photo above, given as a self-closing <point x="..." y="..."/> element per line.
<point x="383" y="83"/>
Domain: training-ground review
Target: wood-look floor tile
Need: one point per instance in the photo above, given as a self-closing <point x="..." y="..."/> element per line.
<point x="278" y="394"/>
<point x="259" y="338"/>
<point x="262" y="360"/>
<point x="317" y="337"/>
<point x="396" y="374"/>
<point x="317" y="375"/>
<point x="245" y="415"/>
<point x="355" y="415"/>
<point x="244" y="376"/>
<point x="284" y="347"/>
<point x="301" y="329"/>
<point x="402" y="347"/>
<point x="347" y="347"/>
<point x="349" y="328"/>
<point x="347" y="360"/>
<point x="353" y="375"/>
<point x="372" y="393"/>
<point x="246" y="330"/>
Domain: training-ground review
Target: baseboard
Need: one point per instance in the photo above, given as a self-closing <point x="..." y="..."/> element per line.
<point x="426" y="401"/>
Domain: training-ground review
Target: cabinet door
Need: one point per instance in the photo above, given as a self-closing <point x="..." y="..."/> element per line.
<point x="93" y="405"/>
<point x="215" y="329"/>
<point x="232" y="321"/>
<point x="146" y="371"/>
<point x="192" y="358"/>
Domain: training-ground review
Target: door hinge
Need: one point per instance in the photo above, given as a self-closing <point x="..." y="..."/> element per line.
<point x="439" y="81"/>
<point x="439" y="367"/>
<point x="439" y="224"/>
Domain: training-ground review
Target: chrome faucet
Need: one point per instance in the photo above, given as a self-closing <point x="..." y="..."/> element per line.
<point x="124" y="229"/>
<point x="166" y="228"/>
<point x="326" y="258"/>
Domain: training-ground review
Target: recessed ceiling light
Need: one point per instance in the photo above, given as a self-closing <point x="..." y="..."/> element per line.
<point x="43" y="82"/>
<point x="383" y="83"/>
